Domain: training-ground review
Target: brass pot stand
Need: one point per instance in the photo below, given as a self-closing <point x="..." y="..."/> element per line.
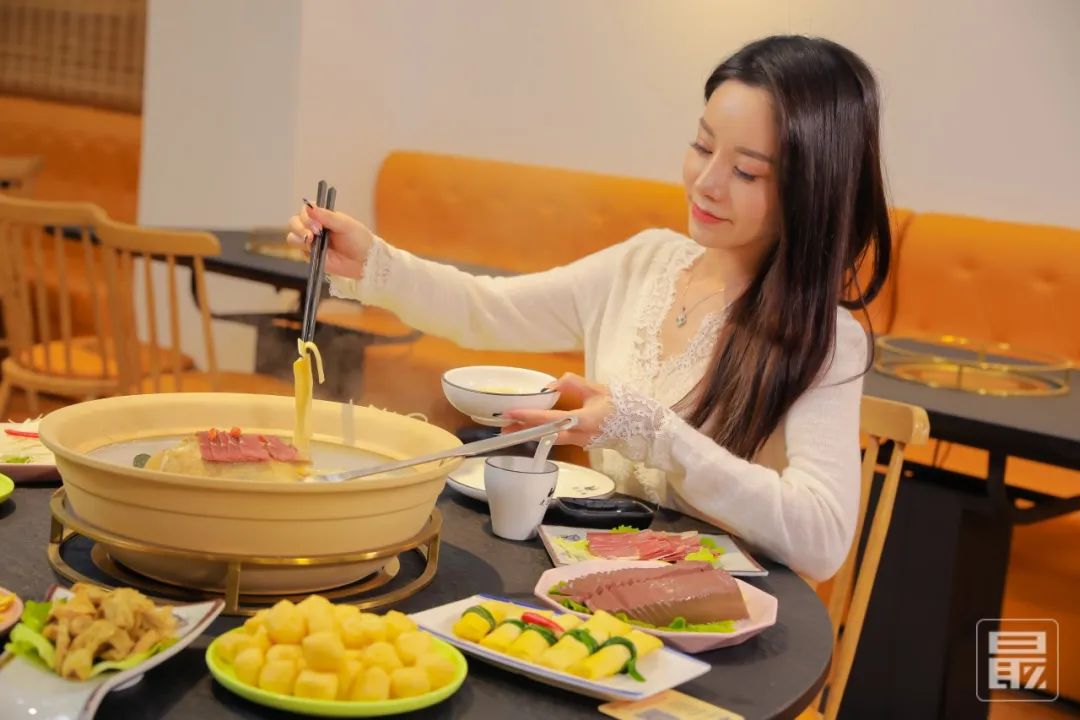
<point x="67" y="526"/>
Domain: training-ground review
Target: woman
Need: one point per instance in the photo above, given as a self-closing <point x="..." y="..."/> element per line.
<point x="723" y="377"/>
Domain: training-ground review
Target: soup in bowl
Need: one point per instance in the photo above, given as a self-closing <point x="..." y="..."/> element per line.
<point x="486" y="392"/>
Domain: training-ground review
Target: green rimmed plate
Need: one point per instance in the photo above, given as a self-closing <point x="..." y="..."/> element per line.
<point x="223" y="673"/>
<point x="7" y="486"/>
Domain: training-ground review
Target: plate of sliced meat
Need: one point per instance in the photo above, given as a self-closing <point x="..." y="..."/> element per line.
<point x="567" y="545"/>
<point x="690" y="604"/>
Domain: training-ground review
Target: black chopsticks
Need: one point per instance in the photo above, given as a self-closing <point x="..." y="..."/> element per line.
<point x="324" y="198"/>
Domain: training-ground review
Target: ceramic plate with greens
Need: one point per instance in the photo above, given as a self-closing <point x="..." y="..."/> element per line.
<point x="687" y="637"/>
<point x="22" y="456"/>
<point x="29" y="680"/>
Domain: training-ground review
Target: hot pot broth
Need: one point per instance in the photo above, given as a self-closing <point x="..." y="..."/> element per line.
<point x="325" y="457"/>
<point x="270" y="456"/>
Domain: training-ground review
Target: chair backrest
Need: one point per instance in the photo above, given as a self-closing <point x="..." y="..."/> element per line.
<point x="881" y="421"/>
<point x="125" y="245"/>
<point x="39" y="243"/>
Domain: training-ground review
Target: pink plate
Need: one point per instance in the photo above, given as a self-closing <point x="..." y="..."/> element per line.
<point x="762" y="605"/>
<point x="9" y="617"/>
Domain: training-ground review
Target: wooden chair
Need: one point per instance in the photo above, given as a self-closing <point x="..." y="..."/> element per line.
<point x="44" y="309"/>
<point x="124" y="244"/>
<point x="881" y="421"/>
<point x="18" y="175"/>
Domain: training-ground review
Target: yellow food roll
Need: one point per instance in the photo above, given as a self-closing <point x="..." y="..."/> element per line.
<point x="615" y="655"/>
<point x="501" y="637"/>
<point x="570" y="648"/>
<point x="607" y="622"/>
<point x="533" y="642"/>
<point x="481" y="619"/>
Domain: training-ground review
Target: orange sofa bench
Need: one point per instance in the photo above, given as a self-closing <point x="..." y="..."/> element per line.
<point x="991" y="280"/>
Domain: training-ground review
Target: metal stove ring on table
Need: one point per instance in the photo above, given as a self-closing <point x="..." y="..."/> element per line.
<point x="66" y="526"/>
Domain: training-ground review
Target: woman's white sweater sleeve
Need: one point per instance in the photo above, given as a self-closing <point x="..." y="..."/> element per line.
<point x="805" y="514"/>
<point x="542" y="312"/>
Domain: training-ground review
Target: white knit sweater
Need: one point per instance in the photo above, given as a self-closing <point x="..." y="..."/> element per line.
<point x="797" y="501"/>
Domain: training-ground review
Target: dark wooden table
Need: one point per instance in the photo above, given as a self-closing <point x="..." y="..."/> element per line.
<point x="946" y="557"/>
<point x="773" y="675"/>
<point x="254" y="255"/>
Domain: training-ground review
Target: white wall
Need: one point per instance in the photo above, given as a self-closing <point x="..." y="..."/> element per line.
<point x="249" y="102"/>
<point x="219" y="111"/>
<point x="219" y="132"/>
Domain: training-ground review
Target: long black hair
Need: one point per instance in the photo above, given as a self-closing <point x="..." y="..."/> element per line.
<point x="782" y="329"/>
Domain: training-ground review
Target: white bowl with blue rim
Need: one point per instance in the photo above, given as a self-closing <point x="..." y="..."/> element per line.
<point x="486" y="392"/>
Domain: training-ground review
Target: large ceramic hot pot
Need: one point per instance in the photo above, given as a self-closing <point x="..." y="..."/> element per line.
<point x="95" y="444"/>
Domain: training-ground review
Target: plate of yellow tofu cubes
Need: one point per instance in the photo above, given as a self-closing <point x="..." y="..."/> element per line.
<point x="318" y="658"/>
<point x="602" y="656"/>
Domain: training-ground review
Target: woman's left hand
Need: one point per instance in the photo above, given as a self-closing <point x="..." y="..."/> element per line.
<point x="595" y="408"/>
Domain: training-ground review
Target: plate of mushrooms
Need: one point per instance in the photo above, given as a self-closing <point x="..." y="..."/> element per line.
<point x="70" y="650"/>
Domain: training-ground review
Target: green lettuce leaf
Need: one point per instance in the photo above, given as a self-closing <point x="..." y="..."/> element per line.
<point x="677" y="625"/>
<point x="36" y="614"/>
<point x="680" y="625"/>
<point x="703" y="554"/>
<point x="578" y="549"/>
<point x="624" y="529"/>
<point x="32" y="645"/>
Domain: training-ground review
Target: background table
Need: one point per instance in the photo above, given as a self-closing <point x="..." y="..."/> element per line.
<point x="773" y="675"/>
<point x="945" y="560"/>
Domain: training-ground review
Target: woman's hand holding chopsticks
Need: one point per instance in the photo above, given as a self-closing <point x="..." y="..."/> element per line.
<point x="347" y="240"/>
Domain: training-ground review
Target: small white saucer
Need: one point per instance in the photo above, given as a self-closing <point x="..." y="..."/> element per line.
<point x="575" y="481"/>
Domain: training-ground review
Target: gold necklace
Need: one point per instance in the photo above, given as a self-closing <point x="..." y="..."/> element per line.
<point x="680" y="318"/>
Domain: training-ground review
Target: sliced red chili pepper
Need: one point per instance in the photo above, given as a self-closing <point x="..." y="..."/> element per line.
<point x="21" y="433"/>
<point x="535" y="619"/>
<point x="235" y="432"/>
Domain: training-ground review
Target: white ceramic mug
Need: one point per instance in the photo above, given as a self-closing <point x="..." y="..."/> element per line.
<point x="518" y="496"/>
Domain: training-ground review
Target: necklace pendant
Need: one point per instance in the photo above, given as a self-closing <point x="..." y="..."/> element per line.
<point x="680" y="319"/>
